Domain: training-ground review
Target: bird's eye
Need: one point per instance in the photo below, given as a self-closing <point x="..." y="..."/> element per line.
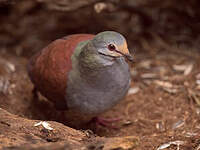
<point x="111" y="47"/>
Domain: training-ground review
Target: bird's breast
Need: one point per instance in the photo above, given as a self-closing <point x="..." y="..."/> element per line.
<point x="99" y="90"/>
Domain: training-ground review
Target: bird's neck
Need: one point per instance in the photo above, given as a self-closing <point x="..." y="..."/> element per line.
<point x="90" y="62"/>
<point x="88" y="65"/>
<point x="90" y="59"/>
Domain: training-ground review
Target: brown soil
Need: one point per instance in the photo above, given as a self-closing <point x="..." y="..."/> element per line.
<point x="165" y="109"/>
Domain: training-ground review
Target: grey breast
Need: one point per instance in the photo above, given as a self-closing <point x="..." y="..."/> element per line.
<point x="99" y="90"/>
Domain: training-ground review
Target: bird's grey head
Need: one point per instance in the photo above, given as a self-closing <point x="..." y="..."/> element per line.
<point x="112" y="44"/>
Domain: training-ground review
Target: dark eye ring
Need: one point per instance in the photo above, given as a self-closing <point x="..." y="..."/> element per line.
<point x="111" y="47"/>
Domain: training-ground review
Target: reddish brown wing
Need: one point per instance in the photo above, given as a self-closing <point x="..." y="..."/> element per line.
<point x="49" y="68"/>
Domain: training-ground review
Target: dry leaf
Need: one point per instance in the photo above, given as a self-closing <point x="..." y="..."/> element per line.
<point x="133" y="90"/>
<point x="45" y="124"/>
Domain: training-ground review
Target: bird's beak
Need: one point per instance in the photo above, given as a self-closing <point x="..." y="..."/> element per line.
<point x="129" y="57"/>
<point x="126" y="54"/>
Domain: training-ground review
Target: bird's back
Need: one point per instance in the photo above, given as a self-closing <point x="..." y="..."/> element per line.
<point x="49" y="68"/>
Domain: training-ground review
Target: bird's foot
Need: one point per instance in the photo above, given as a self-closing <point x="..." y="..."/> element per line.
<point x="106" y="122"/>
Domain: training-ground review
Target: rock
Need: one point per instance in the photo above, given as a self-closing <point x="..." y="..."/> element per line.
<point x="18" y="133"/>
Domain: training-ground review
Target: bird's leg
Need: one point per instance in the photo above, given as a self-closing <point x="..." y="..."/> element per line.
<point x="106" y="122"/>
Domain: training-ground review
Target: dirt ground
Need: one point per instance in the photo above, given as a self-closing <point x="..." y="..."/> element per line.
<point x="161" y="108"/>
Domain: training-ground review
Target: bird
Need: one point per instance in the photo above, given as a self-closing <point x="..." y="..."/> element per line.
<point x="83" y="74"/>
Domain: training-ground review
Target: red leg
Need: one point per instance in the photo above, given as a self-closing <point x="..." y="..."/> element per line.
<point x="106" y="122"/>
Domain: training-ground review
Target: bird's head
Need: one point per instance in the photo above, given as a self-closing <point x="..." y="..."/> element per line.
<point x="111" y="44"/>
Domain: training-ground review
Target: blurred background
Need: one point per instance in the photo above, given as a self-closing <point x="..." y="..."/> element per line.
<point x="29" y="25"/>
